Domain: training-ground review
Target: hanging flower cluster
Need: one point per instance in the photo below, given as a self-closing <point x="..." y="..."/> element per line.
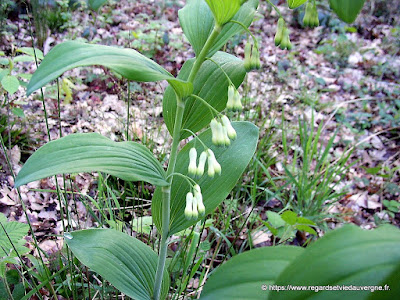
<point x="234" y="99"/>
<point x="282" y="35"/>
<point x="194" y="204"/>
<point x="206" y="156"/>
<point x="251" y="57"/>
<point x="222" y="132"/>
<point x="311" y="15"/>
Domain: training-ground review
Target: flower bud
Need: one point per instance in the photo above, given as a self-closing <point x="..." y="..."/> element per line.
<point x="225" y="141"/>
<point x="196" y="189"/>
<point x="255" y="59"/>
<point x="214" y="131"/>
<point x="197" y="201"/>
<point x="211" y="170"/>
<point x="279" y="31"/>
<point x="247" y="57"/>
<point x="189" y="206"/>
<point x="286" y="44"/>
<point x="231" y="96"/>
<point x="229" y="129"/>
<point x="195" y="213"/>
<point x="213" y="161"/>
<point x="192" y="169"/>
<point x="307" y="14"/>
<point x="202" y="162"/>
<point x="200" y="206"/>
<point x="220" y="135"/>
<point x="315" y="19"/>
<point x="237" y="102"/>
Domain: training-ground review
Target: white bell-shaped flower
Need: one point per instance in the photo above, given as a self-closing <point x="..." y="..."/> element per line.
<point x="229" y="129"/>
<point x="213" y="161"/>
<point x="231" y="96"/>
<point x="202" y="162"/>
<point x="189" y="206"/>
<point x="192" y="168"/>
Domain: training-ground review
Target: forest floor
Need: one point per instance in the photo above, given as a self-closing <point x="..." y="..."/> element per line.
<point x="345" y="77"/>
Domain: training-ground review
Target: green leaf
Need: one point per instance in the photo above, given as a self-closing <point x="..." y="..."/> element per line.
<point x="273" y="230"/>
<point x="18" y="112"/>
<point x="91" y="152"/>
<point x="143" y="224"/>
<point x="233" y="160"/>
<point x="4" y="61"/>
<point x="306" y="228"/>
<point x="3" y="263"/>
<point x="373" y="171"/>
<point x="302" y="220"/>
<point x="23" y="58"/>
<point x="15" y="231"/>
<point x="126" y="62"/>
<point x="124" y="261"/>
<point x="223" y="10"/>
<point x="243" y="276"/>
<point x="95" y="4"/>
<point x="3" y="73"/>
<point x="394" y="203"/>
<point x="289" y="217"/>
<point x="347" y="10"/>
<point x="346" y="256"/>
<point x="210" y="84"/>
<point x="390" y="287"/>
<point x="10" y="84"/>
<point x="197" y="23"/>
<point x="25" y="76"/>
<point x="295" y="3"/>
<point x="29" y="51"/>
<point x="275" y="219"/>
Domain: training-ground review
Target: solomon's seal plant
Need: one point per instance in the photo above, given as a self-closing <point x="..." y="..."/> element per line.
<point x="185" y="192"/>
<point x="198" y="177"/>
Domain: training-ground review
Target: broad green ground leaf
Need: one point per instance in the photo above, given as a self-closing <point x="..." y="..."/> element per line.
<point x="10" y="84"/>
<point x="295" y="3"/>
<point x="346" y="256"/>
<point x="197" y="22"/>
<point x="19" y="112"/>
<point x="223" y="10"/>
<point x="210" y="84"/>
<point x="29" y="51"/>
<point x="233" y="160"/>
<point x="275" y="219"/>
<point x="390" y="287"/>
<point x="243" y="276"/>
<point x="15" y="231"/>
<point x="3" y="73"/>
<point x="91" y="152"/>
<point x="127" y="62"/>
<point x="347" y="10"/>
<point x="124" y="261"/>
<point x="95" y="4"/>
<point x="23" y="58"/>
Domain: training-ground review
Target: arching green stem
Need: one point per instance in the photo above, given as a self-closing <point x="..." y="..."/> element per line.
<point x="276" y="8"/>
<point x="247" y="30"/>
<point x="212" y="109"/>
<point x="223" y="71"/>
<point x="166" y="191"/>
